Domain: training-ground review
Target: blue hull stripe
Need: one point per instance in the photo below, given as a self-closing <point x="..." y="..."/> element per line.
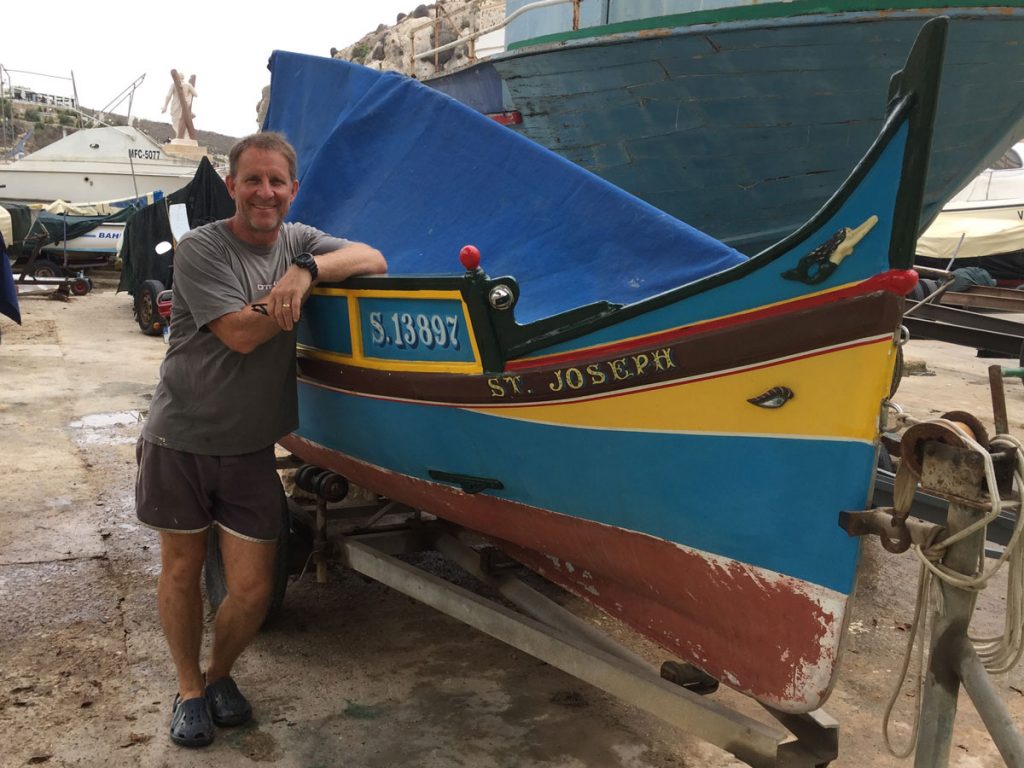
<point x="725" y="495"/>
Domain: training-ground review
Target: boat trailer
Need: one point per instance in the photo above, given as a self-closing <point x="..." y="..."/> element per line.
<point x="335" y="524"/>
<point x="344" y="527"/>
<point x="76" y="285"/>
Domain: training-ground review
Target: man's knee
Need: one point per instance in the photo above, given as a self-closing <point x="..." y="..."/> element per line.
<point x="248" y="570"/>
<point x="181" y="559"/>
<point x="250" y="591"/>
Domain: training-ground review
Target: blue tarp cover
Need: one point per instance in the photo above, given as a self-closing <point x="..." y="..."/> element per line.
<point x="8" y="290"/>
<point x="55" y="227"/>
<point x="385" y="160"/>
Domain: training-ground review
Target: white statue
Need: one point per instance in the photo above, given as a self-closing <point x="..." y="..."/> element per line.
<point x="179" y="97"/>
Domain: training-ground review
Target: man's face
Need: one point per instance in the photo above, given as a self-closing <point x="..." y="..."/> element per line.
<point x="263" y="191"/>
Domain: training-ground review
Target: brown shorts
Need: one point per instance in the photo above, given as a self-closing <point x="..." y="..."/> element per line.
<point x="188" y="492"/>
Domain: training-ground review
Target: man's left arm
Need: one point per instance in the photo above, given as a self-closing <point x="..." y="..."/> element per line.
<point x="284" y="302"/>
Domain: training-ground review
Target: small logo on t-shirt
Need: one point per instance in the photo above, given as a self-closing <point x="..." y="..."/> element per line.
<point x="265" y="286"/>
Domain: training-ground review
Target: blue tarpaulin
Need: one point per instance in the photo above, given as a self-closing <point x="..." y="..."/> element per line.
<point x="8" y="290"/>
<point x="386" y="160"/>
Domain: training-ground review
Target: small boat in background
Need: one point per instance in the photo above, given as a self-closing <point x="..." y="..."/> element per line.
<point x="634" y="410"/>
<point x="95" y="164"/>
<point x="983" y="225"/>
<point x="60" y="244"/>
<point x="61" y="238"/>
<point x="741" y="117"/>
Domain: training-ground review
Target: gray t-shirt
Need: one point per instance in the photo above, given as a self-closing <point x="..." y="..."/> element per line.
<point x="210" y="399"/>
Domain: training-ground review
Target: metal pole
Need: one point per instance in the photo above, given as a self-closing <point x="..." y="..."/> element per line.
<point x="999" y="414"/>
<point x="320" y="541"/>
<point x="994" y="712"/>
<point x="74" y="91"/>
<point x="942" y="467"/>
<point x="3" y="115"/>
<point x="437" y="37"/>
<point x="931" y="298"/>
<point x="471" y="43"/>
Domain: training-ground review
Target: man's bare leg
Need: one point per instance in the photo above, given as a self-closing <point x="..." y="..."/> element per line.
<point x="249" y="575"/>
<point x="180" y="604"/>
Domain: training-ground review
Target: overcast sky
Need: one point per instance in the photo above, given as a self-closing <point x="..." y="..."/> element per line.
<point x="226" y="45"/>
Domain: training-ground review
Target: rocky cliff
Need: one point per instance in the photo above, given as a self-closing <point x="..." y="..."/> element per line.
<point x="398" y="47"/>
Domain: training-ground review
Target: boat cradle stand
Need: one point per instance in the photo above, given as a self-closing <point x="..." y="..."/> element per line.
<point x="543" y="629"/>
<point x="947" y="458"/>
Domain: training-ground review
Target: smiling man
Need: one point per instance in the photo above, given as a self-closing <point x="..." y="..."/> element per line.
<point x="226" y="394"/>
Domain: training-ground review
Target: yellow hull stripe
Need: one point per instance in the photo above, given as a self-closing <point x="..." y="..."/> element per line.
<point x="381" y="364"/>
<point x="838" y="394"/>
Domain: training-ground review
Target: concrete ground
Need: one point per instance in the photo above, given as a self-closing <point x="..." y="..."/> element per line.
<point x="354" y="674"/>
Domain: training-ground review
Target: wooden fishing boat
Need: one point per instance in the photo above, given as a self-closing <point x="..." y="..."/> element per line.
<point x="632" y="409"/>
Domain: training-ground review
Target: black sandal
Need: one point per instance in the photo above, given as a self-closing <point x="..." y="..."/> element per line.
<point x="228" y="705"/>
<point x="191" y="722"/>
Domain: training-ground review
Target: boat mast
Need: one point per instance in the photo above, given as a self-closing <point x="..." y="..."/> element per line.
<point x="74" y="94"/>
<point x="3" y="119"/>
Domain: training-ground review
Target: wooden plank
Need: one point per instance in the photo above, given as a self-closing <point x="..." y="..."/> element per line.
<point x="1005" y="299"/>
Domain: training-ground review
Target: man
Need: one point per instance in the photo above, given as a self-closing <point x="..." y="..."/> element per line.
<point x="227" y="393"/>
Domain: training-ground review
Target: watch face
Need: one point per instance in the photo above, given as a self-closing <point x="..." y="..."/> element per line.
<point x="306" y="261"/>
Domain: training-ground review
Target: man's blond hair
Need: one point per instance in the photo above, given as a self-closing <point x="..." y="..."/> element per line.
<point x="270" y="142"/>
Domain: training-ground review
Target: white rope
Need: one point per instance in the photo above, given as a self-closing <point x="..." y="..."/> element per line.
<point x="930" y="558"/>
<point x="1001" y="653"/>
<point x="916" y="628"/>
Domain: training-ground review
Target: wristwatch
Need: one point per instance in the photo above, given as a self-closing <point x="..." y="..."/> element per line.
<point x="305" y="260"/>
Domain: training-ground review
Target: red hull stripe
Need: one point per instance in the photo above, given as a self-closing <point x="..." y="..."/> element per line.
<point x="506" y="118"/>
<point x="894" y="281"/>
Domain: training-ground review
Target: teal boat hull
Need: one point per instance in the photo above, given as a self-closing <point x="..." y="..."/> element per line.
<point x="744" y="128"/>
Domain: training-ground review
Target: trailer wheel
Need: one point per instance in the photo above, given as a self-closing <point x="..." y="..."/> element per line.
<point x="44" y="267"/>
<point x="80" y="286"/>
<point x="146" y="311"/>
<point x="216" y="586"/>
